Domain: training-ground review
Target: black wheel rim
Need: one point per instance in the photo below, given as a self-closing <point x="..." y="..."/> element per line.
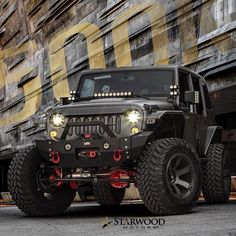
<point x="181" y="176"/>
<point x="42" y="182"/>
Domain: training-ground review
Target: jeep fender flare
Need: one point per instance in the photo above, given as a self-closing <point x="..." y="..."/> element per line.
<point x="161" y="114"/>
<point x="179" y="120"/>
<point x="213" y="135"/>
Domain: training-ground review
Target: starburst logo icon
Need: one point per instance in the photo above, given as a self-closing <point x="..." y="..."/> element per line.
<point x="105" y="222"/>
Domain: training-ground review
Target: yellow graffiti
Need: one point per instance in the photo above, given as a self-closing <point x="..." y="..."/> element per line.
<point x="32" y="95"/>
<point x="2" y="74"/>
<point x="157" y="15"/>
<point x="223" y="42"/>
<point x="121" y="45"/>
<point x="57" y="55"/>
<point x="32" y="90"/>
<point x="186" y="24"/>
<point x="159" y="33"/>
<point x="120" y="33"/>
<point x="207" y="22"/>
<point x="29" y="47"/>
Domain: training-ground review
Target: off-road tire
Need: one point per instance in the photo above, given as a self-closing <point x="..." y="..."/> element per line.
<point x="106" y="195"/>
<point x="216" y="184"/>
<point x="152" y="179"/>
<point x="24" y="191"/>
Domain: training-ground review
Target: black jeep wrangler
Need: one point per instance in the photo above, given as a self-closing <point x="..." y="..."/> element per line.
<point x="151" y="126"/>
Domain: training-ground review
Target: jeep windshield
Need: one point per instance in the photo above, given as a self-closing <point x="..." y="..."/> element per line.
<point x="143" y="83"/>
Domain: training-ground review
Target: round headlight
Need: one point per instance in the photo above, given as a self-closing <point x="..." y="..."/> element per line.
<point x="133" y="116"/>
<point x="57" y="120"/>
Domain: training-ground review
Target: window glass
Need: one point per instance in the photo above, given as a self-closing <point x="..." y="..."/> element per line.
<point x="207" y="97"/>
<point x="183" y="86"/>
<point x="89" y="85"/>
<point x="153" y="83"/>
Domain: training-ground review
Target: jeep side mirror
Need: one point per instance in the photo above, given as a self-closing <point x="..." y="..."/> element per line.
<point x="191" y="97"/>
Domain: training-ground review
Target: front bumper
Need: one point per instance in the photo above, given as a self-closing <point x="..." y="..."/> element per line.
<point x="131" y="148"/>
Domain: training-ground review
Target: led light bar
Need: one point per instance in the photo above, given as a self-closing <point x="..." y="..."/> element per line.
<point x="117" y="94"/>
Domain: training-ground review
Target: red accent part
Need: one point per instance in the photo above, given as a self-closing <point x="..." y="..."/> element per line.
<point x="117" y="155"/>
<point x="132" y="173"/>
<point x="117" y="175"/>
<point x="92" y="154"/>
<point x="52" y="177"/>
<point x="59" y="183"/>
<point x="87" y="135"/>
<point x="58" y="172"/>
<point x="56" y="157"/>
<point x="73" y="185"/>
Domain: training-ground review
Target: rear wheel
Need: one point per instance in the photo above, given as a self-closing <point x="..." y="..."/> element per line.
<point x="32" y="195"/>
<point x="168" y="176"/>
<point x="106" y="195"/>
<point x="216" y="175"/>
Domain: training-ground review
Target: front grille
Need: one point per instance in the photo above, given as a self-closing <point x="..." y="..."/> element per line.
<point x="112" y="121"/>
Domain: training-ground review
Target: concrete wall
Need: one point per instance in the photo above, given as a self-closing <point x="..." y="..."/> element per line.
<point x="44" y="44"/>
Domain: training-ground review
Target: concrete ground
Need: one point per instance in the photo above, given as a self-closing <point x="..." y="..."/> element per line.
<point x="89" y="218"/>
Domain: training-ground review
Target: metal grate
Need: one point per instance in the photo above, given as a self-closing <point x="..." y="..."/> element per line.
<point x="113" y="122"/>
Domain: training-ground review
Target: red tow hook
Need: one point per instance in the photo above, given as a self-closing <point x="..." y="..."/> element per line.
<point x="56" y="157"/>
<point x="117" y="154"/>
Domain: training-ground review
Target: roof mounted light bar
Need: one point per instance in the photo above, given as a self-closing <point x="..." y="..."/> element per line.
<point x="117" y="94"/>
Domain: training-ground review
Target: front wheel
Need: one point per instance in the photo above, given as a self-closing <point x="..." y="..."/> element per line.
<point x="168" y="176"/>
<point x="32" y="195"/>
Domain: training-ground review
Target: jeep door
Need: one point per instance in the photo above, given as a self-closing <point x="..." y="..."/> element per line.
<point x="200" y="112"/>
<point x="190" y="127"/>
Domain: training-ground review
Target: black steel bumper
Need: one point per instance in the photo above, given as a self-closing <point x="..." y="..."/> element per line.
<point x="78" y="156"/>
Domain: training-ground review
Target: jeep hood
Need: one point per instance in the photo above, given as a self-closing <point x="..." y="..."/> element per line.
<point x="113" y="105"/>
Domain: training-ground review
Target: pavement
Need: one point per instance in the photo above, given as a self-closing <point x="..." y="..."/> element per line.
<point x="131" y="218"/>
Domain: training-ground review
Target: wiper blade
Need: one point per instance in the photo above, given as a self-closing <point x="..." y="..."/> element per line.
<point x="86" y="98"/>
<point x="140" y="96"/>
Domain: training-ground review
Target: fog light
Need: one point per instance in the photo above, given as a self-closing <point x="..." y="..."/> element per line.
<point x="134" y="130"/>
<point x="53" y="134"/>
<point x="106" y="146"/>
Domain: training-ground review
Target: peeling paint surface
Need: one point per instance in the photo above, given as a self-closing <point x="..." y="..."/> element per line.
<point x="45" y="44"/>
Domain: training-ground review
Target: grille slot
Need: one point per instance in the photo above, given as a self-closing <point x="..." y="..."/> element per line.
<point x="113" y="122"/>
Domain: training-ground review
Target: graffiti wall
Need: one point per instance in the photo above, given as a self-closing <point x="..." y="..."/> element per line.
<point x="46" y="43"/>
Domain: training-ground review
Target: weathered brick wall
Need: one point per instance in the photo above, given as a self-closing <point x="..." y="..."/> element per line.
<point x="45" y="44"/>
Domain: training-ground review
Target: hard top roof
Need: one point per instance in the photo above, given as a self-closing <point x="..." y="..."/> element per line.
<point x="135" y="68"/>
